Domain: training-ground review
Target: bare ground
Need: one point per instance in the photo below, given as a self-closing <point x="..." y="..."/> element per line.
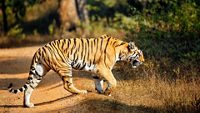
<point x="50" y="95"/>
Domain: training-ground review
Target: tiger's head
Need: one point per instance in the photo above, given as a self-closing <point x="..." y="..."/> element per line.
<point x="132" y="54"/>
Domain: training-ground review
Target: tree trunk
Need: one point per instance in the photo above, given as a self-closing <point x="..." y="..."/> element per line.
<point x="68" y="15"/>
<point x="72" y="13"/>
<point x="82" y="11"/>
<point x="5" y="21"/>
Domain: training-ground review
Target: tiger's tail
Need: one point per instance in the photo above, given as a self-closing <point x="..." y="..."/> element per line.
<point x="28" y="83"/>
<point x="22" y="89"/>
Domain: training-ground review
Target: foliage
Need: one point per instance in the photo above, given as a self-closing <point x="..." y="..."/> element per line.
<point x="161" y="28"/>
<point x="16" y="32"/>
<point x="17" y="8"/>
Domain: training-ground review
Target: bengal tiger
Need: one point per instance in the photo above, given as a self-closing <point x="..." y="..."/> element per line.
<point x="97" y="55"/>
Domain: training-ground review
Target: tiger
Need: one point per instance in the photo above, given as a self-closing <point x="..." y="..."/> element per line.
<point x="95" y="55"/>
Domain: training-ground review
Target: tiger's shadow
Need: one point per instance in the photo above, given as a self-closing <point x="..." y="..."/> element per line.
<point x="50" y="79"/>
<point x="41" y="103"/>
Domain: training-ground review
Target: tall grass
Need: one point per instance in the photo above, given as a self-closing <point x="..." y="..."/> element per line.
<point x="146" y="87"/>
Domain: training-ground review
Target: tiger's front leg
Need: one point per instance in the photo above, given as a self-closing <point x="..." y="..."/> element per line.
<point x="98" y="85"/>
<point x="110" y="79"/>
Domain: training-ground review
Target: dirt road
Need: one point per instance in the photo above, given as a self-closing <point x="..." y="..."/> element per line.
<point x="50" y="96"/>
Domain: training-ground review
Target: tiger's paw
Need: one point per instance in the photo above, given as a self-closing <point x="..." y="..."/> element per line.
<point x="83" y="92"/>
<point x="30" y="105"/>
<point x="107" y="93"/>
<point x="99" y="91"/>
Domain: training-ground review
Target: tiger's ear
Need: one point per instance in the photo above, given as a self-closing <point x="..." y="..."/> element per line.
<point x="131" y="45"/>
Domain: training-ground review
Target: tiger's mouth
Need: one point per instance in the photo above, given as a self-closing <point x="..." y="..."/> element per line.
<point x="135" y="63"/>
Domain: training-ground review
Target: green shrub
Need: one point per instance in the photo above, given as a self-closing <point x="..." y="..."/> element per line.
<point x="16" y="32"/>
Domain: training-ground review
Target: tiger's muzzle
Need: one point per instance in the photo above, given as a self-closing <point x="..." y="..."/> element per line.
<point x="135" y="63"/>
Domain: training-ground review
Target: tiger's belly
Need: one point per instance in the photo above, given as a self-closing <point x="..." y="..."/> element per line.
<point x="91" y="68"/>
<point x="84" y="67"/>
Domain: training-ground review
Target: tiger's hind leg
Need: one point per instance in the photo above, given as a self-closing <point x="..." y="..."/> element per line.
<point x="66" y="75"/>
<point x="68" y="85"/>
<point x="35" y="76"/>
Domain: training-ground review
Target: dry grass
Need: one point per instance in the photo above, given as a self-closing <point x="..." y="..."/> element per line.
<point x="179" y="96"/>
<point x="146" y="87"/>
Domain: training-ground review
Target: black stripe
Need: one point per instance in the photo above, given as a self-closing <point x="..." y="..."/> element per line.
<point x="106" y="50"/>
<point x="39" y="51"/>
<point x="63" y="77"/>
<point x="33" y="59"/>
<point x="82" y="42"/>
<point x="75" y="61"/>
<point x="74" y="42"/>
<point x="46" y="57"/>
<point x="63" y="43"/>
<point x="75" y="57"/>
<point x="59" y="52"/>
<point x="114" y="43"/>
<point x="106" y="45"/>
<point x="69" y="42"/>
<point x="115" y="54"/>
<point x="72" y="64"/>
<point x="101" y="44"/>
<point x="83" y="66"/>
<point x="37" y="76"/>
<point x="90" y="63"/>
<point x="88" y="52"/>
<point x="36" y="73"/>
<point x="56" y="42"/>
<point x="31" y="86"/>
<point x="31" y="72"/>
<point x="84" y="53"/>
<point x="83" y="58"/>
<point x="122" y="43"/>
<point x="30" y="78"/>
<point x="36" y="57"/>
<point x="96" y="46"/>
<point x="25" y="86"/>
<point x="21" y="89"/>
<point x="78" y="46"/>
<point x="50" y="50"/>
<point x="15" y="91"/>
<point x="59" y="42"/>
<point x="78" y="66"/>
<point x="92" y="42"/>
<point x="53" y="47"/>
<point x="95" y="77"/>
<point x="74" y="54"/>
<point x="50" y="44"/>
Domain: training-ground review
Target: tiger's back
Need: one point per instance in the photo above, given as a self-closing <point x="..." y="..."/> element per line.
<point x="80" y="53"/>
